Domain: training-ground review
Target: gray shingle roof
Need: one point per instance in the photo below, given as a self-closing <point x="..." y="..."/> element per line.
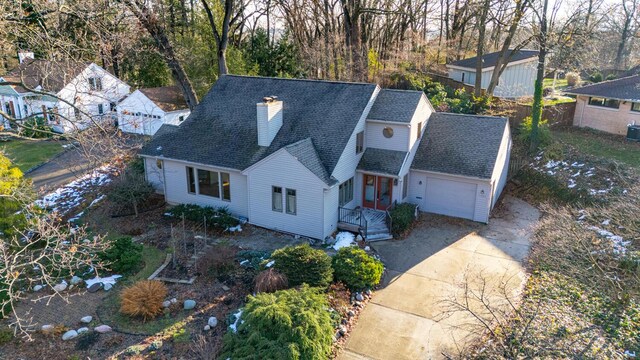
<point x="222" y="129"/>
<point x="382" y="161"/>
<point x="306" y="154"/>
<point x="457" y="144"/>
<point x="627" y="88"/>
<point x="395" y="105"/>
<point x="490" y="60"/>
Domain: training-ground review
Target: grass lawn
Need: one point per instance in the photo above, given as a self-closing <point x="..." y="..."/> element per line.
<point x="29" y="153"/>
<point x="560" y="83"/>
<point x="602" y="145"/>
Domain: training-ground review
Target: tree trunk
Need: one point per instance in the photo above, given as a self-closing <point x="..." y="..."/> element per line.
<point x="152" y="24"/>
<point x="222" y="37"/>
<point x="624" y="36"/>
<point x="477" y="89"/>
<point x="536" y="112"/>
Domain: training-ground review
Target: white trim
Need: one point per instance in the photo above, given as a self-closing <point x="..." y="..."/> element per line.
<point x="453" y="175"/>
<point x="378" y="174"/>
<point x="408" y="124"/>
<point x="189" y="162"/>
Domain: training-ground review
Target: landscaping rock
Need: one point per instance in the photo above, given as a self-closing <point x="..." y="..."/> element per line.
<point x="174" y="300"/>
<point x="350" y="313"/>
<point x="47" y="328"/>
<point x="37" y="288"/>
<point x="213" y="322"/>
<point x="86" y="319"/>
<point x="368" y="292"/>
<point x="94" y="287"/>
<point x="102" y="329"/>
<point x="367" y="248"/>
<point x="342" y="330"/>
<point x="107" y="286"/>
<point x="166" y="304"/>
<point x="189" y="304"/>
<point x="82" y="330"/>
<point x="61" y="287"/>
<point x="207" y="328"/>
<point x="76" y="280"/>
<point x="225" y="288"/>
<point x="359" y="238"/>
<point x="71" y="334"/>
<point x="359" y="297"/>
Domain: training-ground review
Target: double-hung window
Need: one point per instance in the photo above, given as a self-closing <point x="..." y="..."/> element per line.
<point x="635" y="107"/>
<point x="208" y="183"/>
<point x="359" y="142"/>
<point x="95" y="84"/>
<point x="291" y="202"/>
<point x="276" y="198"/>
<point x="346" y="192"/>
<point x="191" y="180"/>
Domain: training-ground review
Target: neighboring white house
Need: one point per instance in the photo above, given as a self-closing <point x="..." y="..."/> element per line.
<point x="305" y="156"/>
<point x="76" y="94"/>
<point x="145" y="110"/>
<point x="517" y="79"/>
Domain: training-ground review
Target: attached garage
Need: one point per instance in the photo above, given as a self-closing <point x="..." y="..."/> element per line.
<point x="458" y="173"/>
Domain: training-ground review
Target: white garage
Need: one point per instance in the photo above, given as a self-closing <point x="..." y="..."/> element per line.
<point x="457" y="174"/>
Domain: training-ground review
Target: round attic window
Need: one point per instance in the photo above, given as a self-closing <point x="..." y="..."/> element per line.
<point x="387" y="132"/>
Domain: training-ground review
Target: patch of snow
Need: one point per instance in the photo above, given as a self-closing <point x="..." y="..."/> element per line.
<point x="234" y="326"/>
<point x="105" y="280"/>
<point x="606" y="222"/>
<point x="618" y="244"/>
<point x="344" y="239"/>
<point x="237" y="228"/>
<point x="270" y="263"/>
<point x="244" y="262"/>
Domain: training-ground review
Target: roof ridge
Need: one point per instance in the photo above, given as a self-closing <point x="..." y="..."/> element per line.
<point x="604" y="82"/>
<point x="472" y="115"/>
<point x="302" y="79"/>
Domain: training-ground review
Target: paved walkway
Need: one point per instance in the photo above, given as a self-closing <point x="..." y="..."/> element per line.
<point x="410" y="318"/>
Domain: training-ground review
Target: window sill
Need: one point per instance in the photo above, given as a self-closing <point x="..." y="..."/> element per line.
<point x="603" y="108"/>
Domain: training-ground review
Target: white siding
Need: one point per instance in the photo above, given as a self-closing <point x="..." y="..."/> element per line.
<point x="79" y="93"/>
<point x="138" y="103"/>
<point x="346" y="166"/>
<point x="517" y="80"/>
<point x="153" y="174"/>
<point x="176" y="188"/>
<point x="283" y="170"/>
<point x="501" y="169"/>
<point x="173" y="117"/>
<point x="331" y="204"/>
<point x="399" y="141"/>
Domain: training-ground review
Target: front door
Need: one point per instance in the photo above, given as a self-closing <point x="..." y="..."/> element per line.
<point x="377" y="192"/>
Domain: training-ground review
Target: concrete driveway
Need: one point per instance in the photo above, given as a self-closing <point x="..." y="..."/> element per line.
<point x="444" y="260"/>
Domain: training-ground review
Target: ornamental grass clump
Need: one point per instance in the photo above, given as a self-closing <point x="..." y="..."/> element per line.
<point x="270" y="280"/>
<point x="287" y="324"/>
<point x="143" y="299"/>
<point x="303" y="265"/>
<point x="356" y="269"/>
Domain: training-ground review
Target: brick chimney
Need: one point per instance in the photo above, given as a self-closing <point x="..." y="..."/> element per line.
<point x="269" y="117"/>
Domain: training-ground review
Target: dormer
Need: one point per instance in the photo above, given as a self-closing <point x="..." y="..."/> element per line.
<point x="269" y="119"/>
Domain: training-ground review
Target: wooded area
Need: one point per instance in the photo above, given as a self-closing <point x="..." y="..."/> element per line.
<point x="192" y="42"/>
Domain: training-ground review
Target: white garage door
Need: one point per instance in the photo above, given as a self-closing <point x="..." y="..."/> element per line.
<point x="448" y="197"/>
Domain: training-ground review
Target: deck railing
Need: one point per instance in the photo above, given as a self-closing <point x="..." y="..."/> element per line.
<point x="387" y="218"/>
<point x="353" y="217"/>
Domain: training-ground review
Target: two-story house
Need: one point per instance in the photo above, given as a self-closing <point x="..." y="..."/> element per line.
<point x="70" y="95"/>
<point x="306" y="156"/>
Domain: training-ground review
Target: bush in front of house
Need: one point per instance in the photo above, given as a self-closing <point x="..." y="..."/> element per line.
<point x="402" y="216"/>
<point x="124" y="255"/>
<point x="573" y="78"/>
<point x="544" y="133"/>
<point x="595" y="77"/>
<point x="217" y="218"/>
<point x="36" y="128"/>
<point x="143" y="299"/>
<point x="303" y="265"/>
<point x="287" y="324"/>
<point x="356" y="269"/>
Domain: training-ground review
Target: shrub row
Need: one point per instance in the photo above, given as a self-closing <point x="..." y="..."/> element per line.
<point x="217" y="218"/>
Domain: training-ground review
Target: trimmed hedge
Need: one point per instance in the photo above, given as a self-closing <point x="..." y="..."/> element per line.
<point x="356" y="269"/>
<point x="304" y="265"/>
<point x="288" y="324"/>
<point x="402" y="216"/>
